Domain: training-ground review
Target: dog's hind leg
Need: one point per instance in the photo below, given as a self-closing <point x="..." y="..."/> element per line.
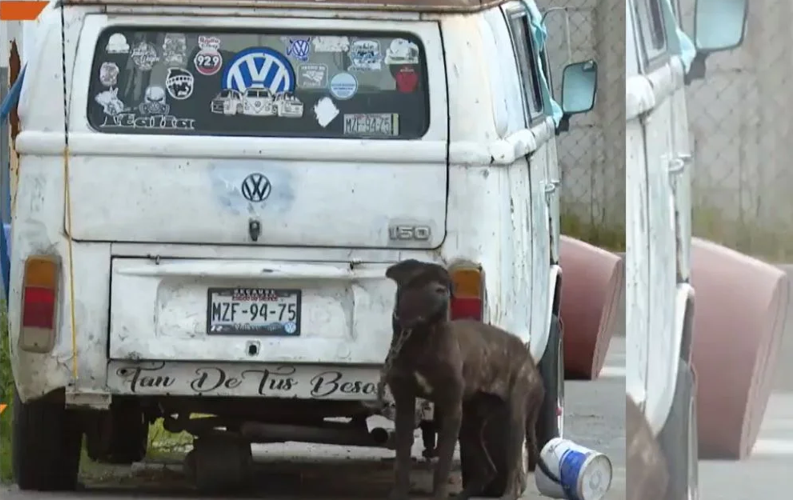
<point x="472" y="440"/>
<point x="452" y="416"/>
<point x="517" y="437"/>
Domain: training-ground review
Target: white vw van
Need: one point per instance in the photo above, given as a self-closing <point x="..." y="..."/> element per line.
<point x="659" y="297"/>
<point x="180" y="259"/>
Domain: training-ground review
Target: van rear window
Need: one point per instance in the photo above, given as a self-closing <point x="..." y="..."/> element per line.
<point x="283" y="84"/>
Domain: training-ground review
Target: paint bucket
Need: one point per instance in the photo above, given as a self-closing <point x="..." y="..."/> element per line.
<point x="585" y="474"/>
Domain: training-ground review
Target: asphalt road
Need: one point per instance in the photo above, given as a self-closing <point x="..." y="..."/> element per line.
<point x="595" y="417"/>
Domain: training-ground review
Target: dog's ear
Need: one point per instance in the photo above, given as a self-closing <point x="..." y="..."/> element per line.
<point x="401" y="272"/>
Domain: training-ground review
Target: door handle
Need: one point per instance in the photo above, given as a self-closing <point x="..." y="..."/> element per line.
<point x="552" y="185"/>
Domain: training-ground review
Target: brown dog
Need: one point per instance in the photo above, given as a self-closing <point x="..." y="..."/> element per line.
<point x="457" y="365"/>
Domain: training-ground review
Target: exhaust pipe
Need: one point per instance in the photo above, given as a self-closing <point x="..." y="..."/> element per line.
<point x="385" y="438"/>
<point x="257" y="432"/>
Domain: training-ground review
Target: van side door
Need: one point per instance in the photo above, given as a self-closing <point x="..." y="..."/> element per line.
<point x="658" y="65"/>
<point x="536" y="119"/>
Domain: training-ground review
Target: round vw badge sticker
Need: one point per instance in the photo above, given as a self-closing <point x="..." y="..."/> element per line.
<point x="290" y="328"/>
<point x="343" y="86"/>
<point x="259" y="67"/>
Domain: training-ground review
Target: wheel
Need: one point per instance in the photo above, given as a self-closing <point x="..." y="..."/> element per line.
<point x="120" y="436"/>
<point x="648" y="477"/>
<point x="678" y="438"/>
<point x="220" y="464"/>
<point x="549" y="424"/>
<point x="46" y="440"/>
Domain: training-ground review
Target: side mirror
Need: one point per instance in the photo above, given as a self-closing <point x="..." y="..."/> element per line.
<point x="579" y="88"/>
<point x="719" y="25"/>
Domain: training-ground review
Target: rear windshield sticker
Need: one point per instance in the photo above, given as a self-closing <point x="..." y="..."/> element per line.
<point x="165" y="123"/>
<point x="325" y="111"/>
<point x="154" y="102"/>
<point x="179" y="83"/>
<point x="208" y="60"/>
<point x="117" y="44"/>
<point x="406" y="78"/>
<point x="299" y="48"/>
<point x="108" y="74"/>
<point x="402" y="51"/>
<point x="144" y="55"/>
<point x="365" y="56"/>
<point x="312" y="76"/>
<point x="344" y="86"/>
<point x="331" y="43"/>
<point x="174" y="49"/>
<point x="111" y="104"/>
<point x="259" y="67"/>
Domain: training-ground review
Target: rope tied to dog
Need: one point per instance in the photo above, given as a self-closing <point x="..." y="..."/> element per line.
<point x="393" y="352"/>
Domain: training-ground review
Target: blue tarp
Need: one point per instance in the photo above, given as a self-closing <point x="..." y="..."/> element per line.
<point x="679" y="42"/>
<point x="539" y="34"/>
<point x="5" y="237"/>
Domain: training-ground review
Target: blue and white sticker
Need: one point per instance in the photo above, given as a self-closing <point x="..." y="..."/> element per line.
<point x="343" y="86"/>
<point x="365" y="56"/>
<point x="290" y="327"/>
<point x="259" y="67"/>
<point x="299" y="48"/>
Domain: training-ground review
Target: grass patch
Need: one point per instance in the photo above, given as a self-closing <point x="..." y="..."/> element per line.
<point x="164" y="444"/>
<point x="772" y="242"/>
<point x="607" y="236"/>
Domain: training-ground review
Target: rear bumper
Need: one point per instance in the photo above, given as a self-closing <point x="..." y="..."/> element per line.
<point x="240" y="380"/>
<point x="277" y="380"/>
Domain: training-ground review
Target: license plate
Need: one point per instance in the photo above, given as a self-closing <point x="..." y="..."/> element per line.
<point x="372" y="124"/>
<point x="253" y="311"/>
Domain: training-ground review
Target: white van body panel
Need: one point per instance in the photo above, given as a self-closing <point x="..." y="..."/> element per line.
<point x="658" y="227"/>
<point x="142" y="268"/>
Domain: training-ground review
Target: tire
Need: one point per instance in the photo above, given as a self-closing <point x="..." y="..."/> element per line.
<point x="549" y="422"/>
<point x="220" y="464"/>
<point x="46" y="442"/>
<point x="678" y="438"/>
<point x="120" y="436"/>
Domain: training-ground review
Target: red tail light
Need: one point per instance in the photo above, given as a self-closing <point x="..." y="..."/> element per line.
<point x="468" y="300"/>
<point x="38" y="309"/>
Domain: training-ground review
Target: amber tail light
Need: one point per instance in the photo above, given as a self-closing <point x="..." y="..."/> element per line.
<point x="468" y="300"/>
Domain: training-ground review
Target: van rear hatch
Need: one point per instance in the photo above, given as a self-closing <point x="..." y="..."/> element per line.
<point x="263" y="132"/>
<point x="255" y="311"/>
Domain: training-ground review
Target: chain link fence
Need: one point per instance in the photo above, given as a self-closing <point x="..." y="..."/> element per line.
<point x="592" y="153"/>
<point x="742" y="137"/>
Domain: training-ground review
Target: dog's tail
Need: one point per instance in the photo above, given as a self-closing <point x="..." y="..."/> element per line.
<point x="538" y="459"/>
<point x="533" y="450"/>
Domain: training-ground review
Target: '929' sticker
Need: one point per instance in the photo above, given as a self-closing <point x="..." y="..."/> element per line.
<point x="208" y="60"/>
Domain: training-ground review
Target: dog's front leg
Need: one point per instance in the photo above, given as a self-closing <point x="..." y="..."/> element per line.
<point x="451" y="419"/>
<point x="404" y="424"/>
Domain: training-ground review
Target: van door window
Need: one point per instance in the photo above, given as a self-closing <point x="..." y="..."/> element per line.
<point x="287" y="84"/>
<point x="520" y="31"/>
<point x="651" y="28"/>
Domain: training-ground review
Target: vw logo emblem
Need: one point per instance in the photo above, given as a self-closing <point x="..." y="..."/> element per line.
<point x="256" y="187"/>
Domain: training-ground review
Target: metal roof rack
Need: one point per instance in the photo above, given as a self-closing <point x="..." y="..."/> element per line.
<point x="451" y="6"/>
